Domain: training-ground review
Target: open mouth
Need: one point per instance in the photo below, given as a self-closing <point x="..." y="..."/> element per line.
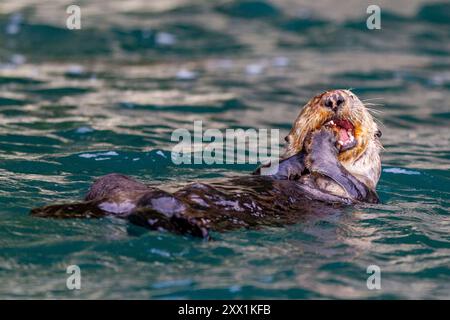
<point x="345" y="133"/>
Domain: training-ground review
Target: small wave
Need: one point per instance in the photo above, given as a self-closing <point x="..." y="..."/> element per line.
<point x="95" y="155"/>
<point x="401" y="171"/>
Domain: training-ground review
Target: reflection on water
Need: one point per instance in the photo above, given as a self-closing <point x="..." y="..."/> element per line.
<point x="77" y="104"/>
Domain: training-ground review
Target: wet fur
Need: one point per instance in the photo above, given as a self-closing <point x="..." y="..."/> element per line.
<point x="312" y="178"/>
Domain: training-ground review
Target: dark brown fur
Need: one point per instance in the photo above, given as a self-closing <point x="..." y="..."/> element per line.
<point x="310" y="181"/>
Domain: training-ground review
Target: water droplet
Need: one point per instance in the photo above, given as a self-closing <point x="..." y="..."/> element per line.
<point x="254" y="69"/>
<point x="84" y="130"/>
<point x="165" y="39"/>
<point x="185" y="74"/>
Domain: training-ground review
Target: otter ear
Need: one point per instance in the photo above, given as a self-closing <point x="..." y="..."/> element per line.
<point x="378" y="134"/>
<point x="289" y="138"/>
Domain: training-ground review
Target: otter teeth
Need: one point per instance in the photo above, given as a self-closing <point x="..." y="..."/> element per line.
<point x="352" y="138"/>
<point x="350" y="135"/>
<point x="330" y="123"/>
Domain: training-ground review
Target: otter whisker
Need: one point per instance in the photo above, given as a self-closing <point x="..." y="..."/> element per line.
<point x="375" y="111"/>
<point x="372" y="108"/>
<point x="378" y="121"/>
<point x="370" y="99"/>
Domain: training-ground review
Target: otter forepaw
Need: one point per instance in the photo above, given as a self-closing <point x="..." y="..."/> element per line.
<point x="320" y="148"/>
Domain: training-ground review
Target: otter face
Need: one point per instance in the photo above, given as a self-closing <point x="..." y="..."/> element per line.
<point x="357" y="134"/>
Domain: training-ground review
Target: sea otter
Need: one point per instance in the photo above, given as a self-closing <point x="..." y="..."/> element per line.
<point x="331" y="159"/>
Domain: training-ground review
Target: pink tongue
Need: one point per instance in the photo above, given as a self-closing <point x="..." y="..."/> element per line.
<point x="343" y="136"/>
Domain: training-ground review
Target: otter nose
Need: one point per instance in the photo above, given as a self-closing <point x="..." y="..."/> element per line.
<point x="334" y="100"/>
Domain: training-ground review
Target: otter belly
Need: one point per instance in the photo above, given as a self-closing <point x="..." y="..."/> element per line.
<point x="306" y="183"/>
<point x="199" y="208"/>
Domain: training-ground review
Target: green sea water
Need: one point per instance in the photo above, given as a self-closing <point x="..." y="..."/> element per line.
<point x="78" y="104"/>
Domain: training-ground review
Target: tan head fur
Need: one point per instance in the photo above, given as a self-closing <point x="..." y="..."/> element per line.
<point x="363" y="160"/>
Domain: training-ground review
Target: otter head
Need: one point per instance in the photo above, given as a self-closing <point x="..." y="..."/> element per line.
<point x="357" y="134"/>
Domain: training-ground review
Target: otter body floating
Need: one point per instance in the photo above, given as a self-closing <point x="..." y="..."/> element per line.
<point x="332" y="159"/>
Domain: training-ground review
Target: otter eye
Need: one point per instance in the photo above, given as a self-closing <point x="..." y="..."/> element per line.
<point x="378" y="134"/>
<point x="286" y="138"/>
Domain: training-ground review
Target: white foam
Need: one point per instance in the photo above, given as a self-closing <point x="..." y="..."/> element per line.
<point x="165" y="39"/>
<point x="75" y="69"/>
<point x="280" y="62"/>
<point x="160" y="153"/>
<point x="254" y="69"/>
<point x="400" y="171"/>
<point x="185" y="74"/>
<point x="95" y="155"/>
<point x="84" y="130"/>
